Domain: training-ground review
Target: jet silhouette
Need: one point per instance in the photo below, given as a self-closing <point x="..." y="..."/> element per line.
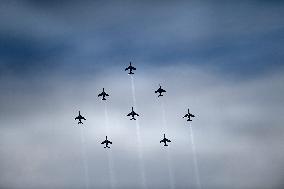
<point x="132" y="113"/>
<point x="106" y="141"/>
<point x="165" y="140"/>
<point x="160" y="91"/>
<point x="79" y="117"/>
<point x="188" y="115"/>
<point x="103" y="94"/>
<point x="130" y="68"/>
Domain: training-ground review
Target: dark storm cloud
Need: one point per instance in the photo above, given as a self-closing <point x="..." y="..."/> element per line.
<point x="22" y="55"/>
<point x="238" y="37"/>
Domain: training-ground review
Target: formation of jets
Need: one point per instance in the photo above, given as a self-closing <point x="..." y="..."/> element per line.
<point x="160" y="91"/>
<point x="103" y="94"/>
<point x="130" y="68"/>
<point x="106" y="142"/>
<point x="188" y="115"/>
<point x="79" y="117"/>
<point x="165" y="140"/>
<point x="132" y="114"/>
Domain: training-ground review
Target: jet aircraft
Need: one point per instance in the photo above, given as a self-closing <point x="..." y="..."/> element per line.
<point x="103" y="94"/>
<point x="188" y="115"/>
<point x="160" y="91"/>
<point x="132" y="113"/>
<point x="130" y="68"/>
<point x="165" y="140"/>
<point x="106" y="142"/>
<point x="79" y="117"/>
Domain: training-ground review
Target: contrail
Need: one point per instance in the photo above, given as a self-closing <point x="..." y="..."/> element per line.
<point x="140" y="152"/>
<point x="196" y="168"/>
<point x="84" y="158"/>
<point x="169" y="160"/>
<point x="109" y="152"/>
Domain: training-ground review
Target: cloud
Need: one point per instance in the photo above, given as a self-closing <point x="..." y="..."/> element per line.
<point x="238" y="130"/>
<point x="242" y="38"/>
<point x="222" y="60"/>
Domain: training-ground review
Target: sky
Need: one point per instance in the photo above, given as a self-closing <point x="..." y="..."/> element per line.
<point x="223" y="60"/>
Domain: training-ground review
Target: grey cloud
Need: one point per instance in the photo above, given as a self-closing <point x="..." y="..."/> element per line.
<point x="55" y="59"/>
<point x="238" y="131"/>
<point x="240" y="37"/>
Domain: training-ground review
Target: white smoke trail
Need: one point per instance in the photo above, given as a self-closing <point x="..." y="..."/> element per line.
<point x="140" y="152"/>
<point x="84" y="158"/>
<point x="196" y="168"/>
<point x="169" y="159"/>
<point x="109" y="152"/>
<point x="106" y="119"/>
